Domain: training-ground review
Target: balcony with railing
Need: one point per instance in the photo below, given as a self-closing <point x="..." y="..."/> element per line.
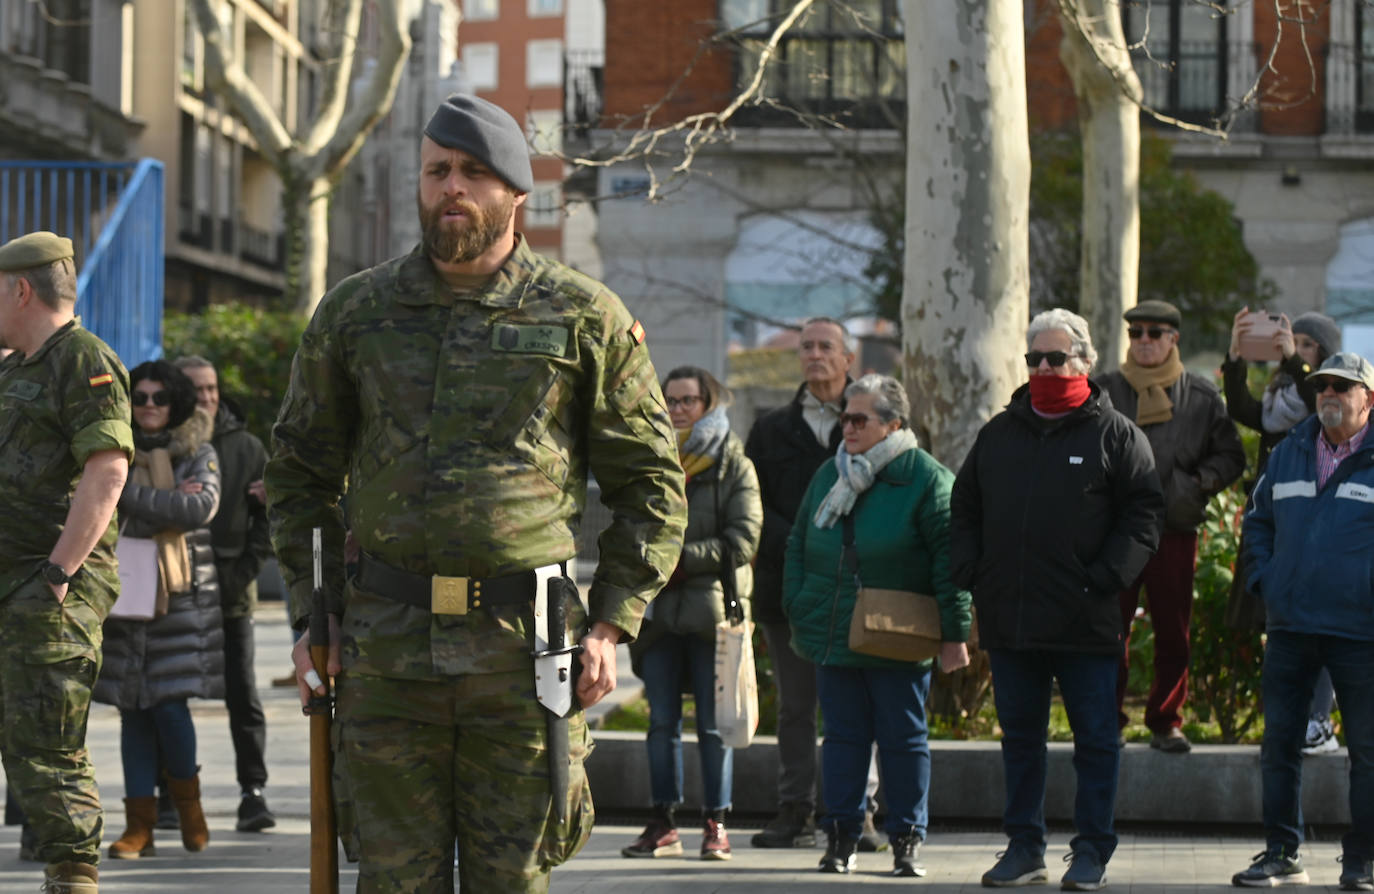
<point x="584" y="80"/>
<point x="1349" y="89"/>
<point x="112" y="212"/>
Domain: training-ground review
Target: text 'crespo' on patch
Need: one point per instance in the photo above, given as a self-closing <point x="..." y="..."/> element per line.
<point x="1075" y="460"/>
<point x="530" y="339"/>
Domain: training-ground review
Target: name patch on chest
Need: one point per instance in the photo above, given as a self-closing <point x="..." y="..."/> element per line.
<point x="530" y="339"/>
<point x="1352" y="491"/>
<point x="24" y="390"/>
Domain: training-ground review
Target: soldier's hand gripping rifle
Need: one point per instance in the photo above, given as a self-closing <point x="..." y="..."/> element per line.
<point x="554" y="673"/>
<point x="324" y="852"/>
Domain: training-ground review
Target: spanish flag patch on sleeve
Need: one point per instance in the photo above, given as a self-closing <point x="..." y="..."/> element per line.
<point x="637" y="332"/>
<point x="102" y="379"/>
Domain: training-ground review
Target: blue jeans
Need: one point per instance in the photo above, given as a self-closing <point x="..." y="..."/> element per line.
<point x="1292" y="662"/>
<point x="142" y="734"/>
<point x="866" y="705"/>
<point x="1022" y="681"/>
<point x="666" y="665"/>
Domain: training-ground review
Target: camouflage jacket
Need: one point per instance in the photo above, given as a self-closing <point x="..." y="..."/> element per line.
<point x="463" y="428"/>
<point x="68" y="400"/>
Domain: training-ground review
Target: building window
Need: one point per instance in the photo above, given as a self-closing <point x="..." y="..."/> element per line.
<point x="544" y="207"/>
<point x="1179" y="49"/>
<point x="479" y="66"/>
<point x="481" y="10"/>
<point x="544" y="130"/>
<point x="544" y="63"/>
<point x="845" y="60"/>
<point x="542" y="8"/>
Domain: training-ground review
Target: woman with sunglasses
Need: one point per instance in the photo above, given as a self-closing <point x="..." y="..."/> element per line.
<point x="675" y="649"/>
<point x="878" y="515"/>
<point x="1287" y="400"/>
<point x="1056" y="508"/>
<point x="152" y="667"/>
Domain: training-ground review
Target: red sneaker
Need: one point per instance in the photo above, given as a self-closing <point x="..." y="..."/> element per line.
<point x="715" y="844"/>
<point x="657" y="840"/>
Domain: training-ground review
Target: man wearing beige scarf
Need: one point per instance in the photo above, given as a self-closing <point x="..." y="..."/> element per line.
<point x="1197" y="453"/>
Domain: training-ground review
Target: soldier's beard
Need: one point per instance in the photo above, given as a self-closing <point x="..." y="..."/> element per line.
<point x="462" y="241"/>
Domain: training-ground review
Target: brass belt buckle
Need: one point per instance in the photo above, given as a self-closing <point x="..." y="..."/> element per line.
<point x="448" y="595"/>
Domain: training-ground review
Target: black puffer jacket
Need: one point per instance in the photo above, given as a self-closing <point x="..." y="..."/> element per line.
<point x="1049" y="519"/>
<point x="181" y="654"/>
<point x="786" y="454"/>
<point x="239" y="530"/>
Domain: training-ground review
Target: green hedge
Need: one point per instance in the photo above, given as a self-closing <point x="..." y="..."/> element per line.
<point x="251" y="349"/>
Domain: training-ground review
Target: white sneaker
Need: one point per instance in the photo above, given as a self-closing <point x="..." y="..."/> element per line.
<point x="1321" y="737"/>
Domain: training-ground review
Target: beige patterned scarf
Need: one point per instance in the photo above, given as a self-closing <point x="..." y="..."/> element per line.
<point x="153" y="468"/>
<point x="1151" y="384"/>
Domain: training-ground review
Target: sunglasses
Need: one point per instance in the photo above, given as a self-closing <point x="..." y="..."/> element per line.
<point x="688" y="402"/>
<point x="159" y="398"/>
<point x="1340" y="386"/>
<point x="1056" y="358"/>
<point x="858" y="420"/>
<point x="1154" y="332"/>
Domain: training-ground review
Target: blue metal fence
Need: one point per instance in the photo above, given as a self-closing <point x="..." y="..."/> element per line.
<point x="113" y="213"/>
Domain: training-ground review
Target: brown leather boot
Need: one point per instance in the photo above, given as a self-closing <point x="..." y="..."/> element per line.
<point x="137" y="840"/>
<point x="70" y="878"/>
<point x="195" y="835"/>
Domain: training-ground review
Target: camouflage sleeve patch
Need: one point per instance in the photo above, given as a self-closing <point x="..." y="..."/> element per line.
<point x="637" y="332"/>
<point x="102" y="379"/>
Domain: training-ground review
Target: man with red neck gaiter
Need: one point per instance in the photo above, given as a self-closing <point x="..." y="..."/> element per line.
<point x="1056" y="507"/>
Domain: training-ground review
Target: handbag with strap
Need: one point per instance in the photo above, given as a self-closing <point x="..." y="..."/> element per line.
<point x="899" y="624"/>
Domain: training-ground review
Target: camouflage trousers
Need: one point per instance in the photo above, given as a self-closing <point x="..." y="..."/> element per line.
<point x="49" y="659"/>
<point x="424" y="764"/>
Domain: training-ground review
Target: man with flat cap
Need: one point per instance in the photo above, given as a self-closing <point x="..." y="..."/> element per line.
<point x="461" y="394"/>
<point x="1197" y="453"/>
<point x="1307" y="540"/>
<point x="65" y="446"/>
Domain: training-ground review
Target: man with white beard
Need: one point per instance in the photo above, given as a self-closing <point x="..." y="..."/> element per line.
<point x="1308" y="540"/>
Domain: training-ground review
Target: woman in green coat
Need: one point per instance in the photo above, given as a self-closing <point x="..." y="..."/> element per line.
<point x="890" y="499"/>
<point x="675" y="650"/>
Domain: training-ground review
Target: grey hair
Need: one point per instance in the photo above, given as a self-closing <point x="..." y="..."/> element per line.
<point x="1072" y="325"/>
<point x="54" y="283"/>
<point x="192" y="361"/>
<point x="847" y="340"/>
<point x="889" y="397"/>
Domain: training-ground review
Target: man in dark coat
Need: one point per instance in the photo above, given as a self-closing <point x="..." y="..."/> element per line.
<point x="787" y="445"/>
<point x="1197" y="452"/>
<point x="242" y="541"/>
<point x="1056" y="508"/>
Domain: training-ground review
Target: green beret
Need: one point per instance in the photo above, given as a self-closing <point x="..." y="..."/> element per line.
<point x="1154" y="312"/>
<point x="34" y="250"/>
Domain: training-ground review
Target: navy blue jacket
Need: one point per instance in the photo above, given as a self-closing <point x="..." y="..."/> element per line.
<point x="1311" y="549"/>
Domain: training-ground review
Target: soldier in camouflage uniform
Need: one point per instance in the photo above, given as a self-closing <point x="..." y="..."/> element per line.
<point x="461" y="394"/>
<point x="65" y="445"/>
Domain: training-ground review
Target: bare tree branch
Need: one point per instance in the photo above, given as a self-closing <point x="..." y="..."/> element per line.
<point x="345" y="19"/>
<point x="224" y="74"/>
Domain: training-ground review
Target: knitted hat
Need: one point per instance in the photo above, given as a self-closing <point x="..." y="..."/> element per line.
<point x="488" y="133"/>
<point x="1321" y="329"/>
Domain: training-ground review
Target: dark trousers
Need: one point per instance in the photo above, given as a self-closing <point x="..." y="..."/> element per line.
<point x="247" y="725"/>
<point x="1292" y="662"/>
<point x="1022" y="682"/>
<point x="1168" y="582"/>
<point x="861" y="707"/>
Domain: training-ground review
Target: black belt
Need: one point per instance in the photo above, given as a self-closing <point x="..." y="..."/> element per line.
<point x="440" y="594"/>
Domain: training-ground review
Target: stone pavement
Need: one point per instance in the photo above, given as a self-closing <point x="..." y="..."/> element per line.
<point x="1175" y="861"/>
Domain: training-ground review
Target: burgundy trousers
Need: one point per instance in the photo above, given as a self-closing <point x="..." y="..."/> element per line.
<point x="1168" y="582"/>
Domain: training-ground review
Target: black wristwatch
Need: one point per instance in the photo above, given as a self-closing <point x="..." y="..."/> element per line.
<point x="55" y="574"/>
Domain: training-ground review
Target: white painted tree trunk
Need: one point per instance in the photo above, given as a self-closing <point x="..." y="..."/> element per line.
<point x="966" y="297"/>
<point x="1094" y="52"/>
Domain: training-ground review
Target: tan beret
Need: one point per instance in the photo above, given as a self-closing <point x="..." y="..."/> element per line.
<point x="34" y="250"/>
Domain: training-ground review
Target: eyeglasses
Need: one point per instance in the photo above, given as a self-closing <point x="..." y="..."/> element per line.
<point x="686" y="403"/>
<point x="1155" y="332"/>
<point x="858" y="420"/>
<point x="1056" y="358"/>
<point x="159" y="398"/>
<point x="1340" y="386"/>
